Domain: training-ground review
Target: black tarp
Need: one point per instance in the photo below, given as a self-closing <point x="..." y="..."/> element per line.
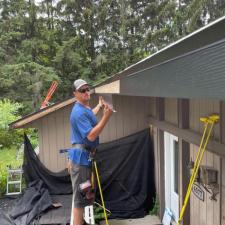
<point x="126" y="168"/>
<point x="56" y="183"/>
<point x="35" y="200"/>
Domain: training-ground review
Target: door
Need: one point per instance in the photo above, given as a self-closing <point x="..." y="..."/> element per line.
<point x="171" y="174"/>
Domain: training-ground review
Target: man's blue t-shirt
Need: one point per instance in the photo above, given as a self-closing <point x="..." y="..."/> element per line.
<point x="82" y="121"/>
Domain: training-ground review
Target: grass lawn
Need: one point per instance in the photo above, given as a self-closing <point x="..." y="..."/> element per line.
<point x="7" y="157"/>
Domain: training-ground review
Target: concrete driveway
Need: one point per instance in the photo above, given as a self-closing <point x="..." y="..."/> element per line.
<point x="148" y="220"/>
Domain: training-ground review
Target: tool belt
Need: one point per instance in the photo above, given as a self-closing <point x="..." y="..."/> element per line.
<point x="82" y="147"/>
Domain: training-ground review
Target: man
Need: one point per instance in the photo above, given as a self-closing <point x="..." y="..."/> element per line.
<point x="84" y="137"/>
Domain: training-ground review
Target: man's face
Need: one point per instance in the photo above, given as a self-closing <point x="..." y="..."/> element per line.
<point x="83" y="93"/>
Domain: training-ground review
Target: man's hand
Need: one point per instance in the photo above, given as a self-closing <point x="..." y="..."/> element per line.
<point x="107" y="111"/>
<point x="101" y="101"/>
<point x="94" y="133"/>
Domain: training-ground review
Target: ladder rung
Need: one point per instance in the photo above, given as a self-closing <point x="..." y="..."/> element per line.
<point x="14" y="182"/>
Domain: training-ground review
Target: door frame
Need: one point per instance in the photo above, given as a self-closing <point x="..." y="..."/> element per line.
<point x="171" y="197"/>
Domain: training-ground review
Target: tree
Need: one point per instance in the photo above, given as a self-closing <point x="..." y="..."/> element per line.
<point x="9" y="112"/>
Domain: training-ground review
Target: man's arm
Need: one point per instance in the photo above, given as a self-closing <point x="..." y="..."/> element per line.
<point x="94" y="133"/>
<point x="96" y="109"/>
<point x="99" y="106"/>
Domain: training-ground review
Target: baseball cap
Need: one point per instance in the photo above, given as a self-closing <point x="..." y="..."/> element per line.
<point x="79" y="83"/>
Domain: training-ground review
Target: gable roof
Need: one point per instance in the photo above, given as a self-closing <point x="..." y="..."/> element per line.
<point x="40" y="113"/>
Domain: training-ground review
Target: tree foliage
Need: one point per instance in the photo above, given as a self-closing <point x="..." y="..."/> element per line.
<point x="46" y="40"/>
<point x="9" y="112"/>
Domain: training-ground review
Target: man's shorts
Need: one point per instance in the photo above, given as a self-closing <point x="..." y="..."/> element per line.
<point x="80" y="174"/>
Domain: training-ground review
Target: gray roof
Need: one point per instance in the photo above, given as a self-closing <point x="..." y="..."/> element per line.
<point x="192" y="67"/>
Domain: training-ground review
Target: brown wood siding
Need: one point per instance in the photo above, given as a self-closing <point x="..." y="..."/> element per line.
<point x="201" y="108"/>
<point x="54" y="134"/>
<point x="205" y="212"/>
<point x="154" y="134"/>
<point x="223" y="192"/>
<point x="54" y="129"/>
<point x="171" y="110"/>
<point x="131" y="116"/>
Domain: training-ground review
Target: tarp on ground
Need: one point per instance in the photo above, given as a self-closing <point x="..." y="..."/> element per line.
<point x="34" y="201"/>
<point x="126" y="168"/>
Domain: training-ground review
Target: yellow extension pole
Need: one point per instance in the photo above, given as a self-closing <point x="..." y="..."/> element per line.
<point x="196" y="161"/>
<point x="101" y="195"/>
<point x="198" y="154"/>
<point x="199" y="157"/>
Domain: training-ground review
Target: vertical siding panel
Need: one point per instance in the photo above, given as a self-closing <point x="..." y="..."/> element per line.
<point x="53" y="154"/>
<point x="191" y="196"/>
<point x="119" y="118"/>
<point x="67" y="129"/>
<point x="113" y="122"/>
<point x="136" y="118"/>
<point x="217" y="205"/>
<point x="203" y="204"/>
<point x="196" y="201"/>
<point x="46" y="148"/>
<point x="202" y="108"/>
<point x="40" y="142"/>
<point x="223" y="192"/>
<point x="210" y="204"/>
<point x="126" y="105"/>
<point x="139" y="114"/>
<point x="156" y="156"/>
<point x="171" y="110"/>
<point x="216" y="110"/>
<point x="60" y="142"/>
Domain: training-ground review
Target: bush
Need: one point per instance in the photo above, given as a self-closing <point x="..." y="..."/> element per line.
<point x="99" y="214"/>
<point x="3" y="180"/>
<point x="156" y="207"/>
<point x="9" y="112"/>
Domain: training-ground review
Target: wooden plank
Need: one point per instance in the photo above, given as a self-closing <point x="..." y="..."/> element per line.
<point x="202" y="204"/>
<point x="183" y="176"/>
<point x="188" y="135"/>
<point x="156" y="157"/>
<point x="119" y="116"/>
<point x="171" y="110"/>
<point x="40" y="142"/>
<point x="46" y="149"/>
<point x="52" y="142"/>
<point x="184" y="156"/>
<point x="222" y="192"/>
<point x="195" y="203"/>
<point x="160" y="108"/>
<point x="67" y="128"/>
<point x="41" y="113"/>
<point x="112" y="88"/>
<point x="161" y="172"/>
<point x="216" y="109"/>
<point x="217" y="204"/>
<point x="141" y="113"/>
<point x="183" y="107"/>
<point x="210" y="204"/>
<point x="60" y="139"/>
<point x="192" y="195"/>
<point x="222" y="122"/>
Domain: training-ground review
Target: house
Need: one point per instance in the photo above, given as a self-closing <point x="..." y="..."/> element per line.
<point x="167" y="92"/>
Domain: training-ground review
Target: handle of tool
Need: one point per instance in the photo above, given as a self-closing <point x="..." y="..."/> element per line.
<point x="200" y="156"/>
